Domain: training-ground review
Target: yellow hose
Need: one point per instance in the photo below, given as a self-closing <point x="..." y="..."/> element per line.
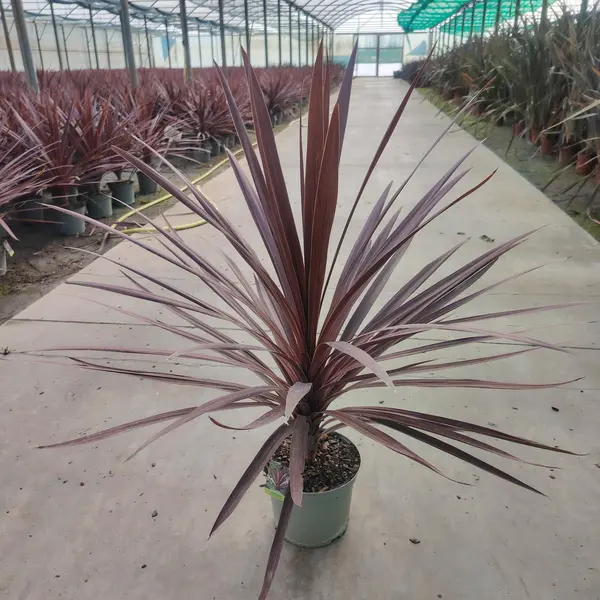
<point x="166" y="197"/>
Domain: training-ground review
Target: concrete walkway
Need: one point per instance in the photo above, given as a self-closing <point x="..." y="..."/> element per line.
<point x="76" y="523"/>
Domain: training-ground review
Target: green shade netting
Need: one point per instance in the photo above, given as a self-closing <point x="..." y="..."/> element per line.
<point x="426" y="14"/>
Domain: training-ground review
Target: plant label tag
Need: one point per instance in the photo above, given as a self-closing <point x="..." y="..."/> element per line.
<point x="274" y="494"/>
<point x="278" y="480"/>
<point x="8" y="248"/>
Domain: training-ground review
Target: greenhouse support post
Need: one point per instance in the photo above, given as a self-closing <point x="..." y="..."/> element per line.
<point x="332" y="41"/>
<point x="498" y="13"/>
<point x="377" y="51"/>
<point x="279" y="32"/>
<point x="107" y="48"/>
<point x="148" y="46"/>
<point x="517" y="15"/>
<point x="128" y="43"/>
<point x="318" y="38"/>
<point x="37" y="37"/>
<point x="199" y="45"/>
<point x="471" y="27"/>
<point x="55" y="29"/>
<point x="247" y="25"/>
<point x="483" y="17"/>
<point x="266" y="32"/>
<point x="26" y="53"/>
<point x="290" y="32"/>
<point x="64" y="37"/>
<point x="185" y="38"/>
<point x="94" y="39"/>
<point x="87" y="47"/>
<point x="455" y="28"/>
<point x="168" y="43"/>
<point x="139" y="45"/>
<point x="299" y="42"/>
<point x="462" y="29"/>
<point x="222" y="32"/>
<point x="306" y="32"/>
<point x="11" y="56"/>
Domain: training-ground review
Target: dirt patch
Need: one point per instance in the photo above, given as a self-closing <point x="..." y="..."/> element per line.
<point x="578" y="196"/>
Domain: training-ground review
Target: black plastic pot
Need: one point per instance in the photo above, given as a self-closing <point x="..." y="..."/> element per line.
<point x="147" y="186"/>
<point x="215" y="147"/>
<point x="122" y="191"/>
<point x="31" y="212"/>
<point x="3" y="253"/>
<point x="200" y="155"/>
<point x="69" y="224"/>
<point x="99" y="206"/>
<point x="67" y="197"/>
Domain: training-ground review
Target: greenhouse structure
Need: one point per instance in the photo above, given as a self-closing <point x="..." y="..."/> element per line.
<point x="113" y="34"/>
<point x="299" y="300"/>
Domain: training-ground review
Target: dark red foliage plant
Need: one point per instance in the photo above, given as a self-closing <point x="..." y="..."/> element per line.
<point x="282" y="90"/>
<point x="307" y="352"/>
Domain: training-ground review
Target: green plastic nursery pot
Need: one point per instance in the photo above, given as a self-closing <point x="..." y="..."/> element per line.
<point x="3" y="252"/>
<point x="200" y="155"/>
<point x="147" y="186"/>
<point x="68" y="224"/>
<point x="99" y="206"/>
<point x="122" y="191"/>
<point x="31" y="212"/>
<point x="322" y="518"/>
<point x="66" y="197"/>
<point x="215" y="147"/>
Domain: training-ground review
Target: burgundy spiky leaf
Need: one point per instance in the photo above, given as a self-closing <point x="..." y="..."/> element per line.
<point x="301" y="350"/>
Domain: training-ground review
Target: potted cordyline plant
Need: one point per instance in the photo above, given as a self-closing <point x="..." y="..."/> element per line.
<point x="47" y="124"/>
<point x="19" y="177"/>
<point x="318" y="350"/>
<point x="99" y="128"/>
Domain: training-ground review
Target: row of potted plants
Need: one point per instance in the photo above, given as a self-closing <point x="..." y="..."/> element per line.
<point x="69" y="131"/>
<point x="542" y="80"/>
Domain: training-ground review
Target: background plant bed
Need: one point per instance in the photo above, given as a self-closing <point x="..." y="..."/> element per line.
<point x="569" y="191"/>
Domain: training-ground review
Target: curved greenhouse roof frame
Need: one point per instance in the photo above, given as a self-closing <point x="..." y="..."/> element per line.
<point x="209" y="14"/>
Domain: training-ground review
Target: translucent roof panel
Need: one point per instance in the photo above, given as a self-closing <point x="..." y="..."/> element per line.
<point x="381" y="20"/>
<point x="151" y="13"/>
<point x="377" y="15"/>
<point x="337" y="12"/>
<point x="426" y="14"/>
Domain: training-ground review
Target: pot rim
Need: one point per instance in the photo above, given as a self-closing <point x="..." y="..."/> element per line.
<point x="349" y="482"/>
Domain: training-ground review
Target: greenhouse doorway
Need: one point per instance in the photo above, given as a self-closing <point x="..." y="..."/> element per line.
<point x="379" y="54"/>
